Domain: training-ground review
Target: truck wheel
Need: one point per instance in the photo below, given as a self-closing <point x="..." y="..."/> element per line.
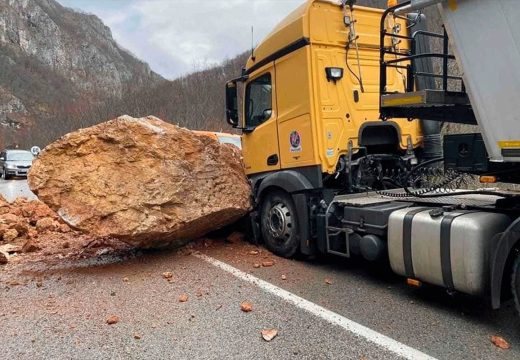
<point x="515" y="283"/>
<point x="279" y="224"/>
<point x="4" y="174"/>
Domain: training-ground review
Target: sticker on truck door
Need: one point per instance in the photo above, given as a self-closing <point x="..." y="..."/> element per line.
<point x="295" y="141"/>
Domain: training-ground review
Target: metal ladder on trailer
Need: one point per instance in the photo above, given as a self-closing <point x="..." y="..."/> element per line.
<point x="430" y="102"/>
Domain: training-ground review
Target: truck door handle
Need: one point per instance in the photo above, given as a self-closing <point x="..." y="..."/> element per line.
<point x="272" y="160"/>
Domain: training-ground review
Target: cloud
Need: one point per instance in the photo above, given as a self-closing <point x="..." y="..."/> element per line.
<point x="177" y="36"/>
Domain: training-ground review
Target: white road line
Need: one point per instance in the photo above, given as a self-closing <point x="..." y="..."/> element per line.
<point x="383" y="341"/>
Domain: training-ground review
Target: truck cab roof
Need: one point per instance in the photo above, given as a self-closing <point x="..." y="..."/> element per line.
<point x="298" y="28"/>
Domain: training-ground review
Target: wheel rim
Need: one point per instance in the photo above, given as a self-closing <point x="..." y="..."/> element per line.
<point x="279" y="222"/>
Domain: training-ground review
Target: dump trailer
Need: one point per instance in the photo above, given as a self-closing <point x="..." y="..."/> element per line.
<point x="340" y="108"/>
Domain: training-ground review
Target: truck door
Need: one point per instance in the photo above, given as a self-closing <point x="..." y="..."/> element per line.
<point x="260" y="139"/>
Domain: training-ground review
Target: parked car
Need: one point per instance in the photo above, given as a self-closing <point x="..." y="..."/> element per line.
<point x="223" y="138"/>
<point x="15" y="163"/>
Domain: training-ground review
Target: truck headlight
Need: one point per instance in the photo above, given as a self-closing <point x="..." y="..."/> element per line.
<point x="334" y="73"/>
<point x="11" y="166"/>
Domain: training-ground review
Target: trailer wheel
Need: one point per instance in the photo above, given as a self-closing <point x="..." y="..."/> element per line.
<point x="515" y="283"/>
<point x="279" y="224"/>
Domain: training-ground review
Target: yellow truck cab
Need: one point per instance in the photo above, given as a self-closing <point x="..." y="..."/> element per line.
<point x="310" y="118"/>
<point x="304" y="101"/>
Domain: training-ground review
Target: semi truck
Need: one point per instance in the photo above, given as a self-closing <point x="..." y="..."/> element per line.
<point x="340" y="109"/>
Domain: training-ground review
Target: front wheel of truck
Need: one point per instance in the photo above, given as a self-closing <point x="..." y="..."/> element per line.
<point x="279" y="224"/>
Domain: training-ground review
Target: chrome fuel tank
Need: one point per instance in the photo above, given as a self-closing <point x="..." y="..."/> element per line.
<point x="449" y="249"/>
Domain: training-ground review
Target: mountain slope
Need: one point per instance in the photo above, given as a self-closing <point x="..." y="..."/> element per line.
<point x="195" y="101"/>
<point x="58" y="63"/>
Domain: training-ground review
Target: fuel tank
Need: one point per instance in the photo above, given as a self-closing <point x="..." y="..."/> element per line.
<point x="445" y="248"/>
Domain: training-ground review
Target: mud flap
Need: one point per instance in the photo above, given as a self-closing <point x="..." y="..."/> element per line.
<point x="307" y="247"/>
<point x="253" y="228"/>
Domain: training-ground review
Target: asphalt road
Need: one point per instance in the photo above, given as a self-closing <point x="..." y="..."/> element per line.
<point x="17" y="187"/>
<point x="59" y="310"/>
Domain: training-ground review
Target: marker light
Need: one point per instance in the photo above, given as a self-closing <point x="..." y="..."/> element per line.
<point x="334" y="73"/>
<point x="488" y="179"/>
<point x="413" y="282"/>
<point x="392" y="3"/>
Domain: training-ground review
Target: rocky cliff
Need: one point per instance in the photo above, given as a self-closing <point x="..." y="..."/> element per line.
<point x="57" y="63"/>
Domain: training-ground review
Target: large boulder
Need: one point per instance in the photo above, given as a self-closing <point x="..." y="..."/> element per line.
<point x="144" y="181"/>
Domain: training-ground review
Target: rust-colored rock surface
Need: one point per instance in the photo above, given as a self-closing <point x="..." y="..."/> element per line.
<point x="143" y="181"/>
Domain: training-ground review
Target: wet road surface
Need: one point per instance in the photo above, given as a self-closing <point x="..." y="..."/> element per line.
<point x="13" y="188"/>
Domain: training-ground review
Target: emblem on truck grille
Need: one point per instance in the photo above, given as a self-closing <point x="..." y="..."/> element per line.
<point x="295" y="141"/>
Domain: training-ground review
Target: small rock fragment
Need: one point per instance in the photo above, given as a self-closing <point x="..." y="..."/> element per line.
<point x="45" y="224"/>
<point x="112" y="319"/>
<point x="64" y="228"/>
<point x="66" y="245"/>
<point x="102" y="251"/>
<point x="183" y="298"/>
<point x="137" y="336"/>
<point x="4" y="258"/>
<point x="284" y="277"/>
<point x="10" y="235"/>
<point x="32" y="233"/>
<point x="267" y="263"/>
<point x="9" y="249"/>
<point x="14" y="283"/>
<point x="3" y="229"/>
<point x="30" y="245"/>
<point x="167" y="275"/>
<point x="253" y="252"/>
<point x="256" y="266"/>
<point x="269" y="334"/>
<point x="21" y="227"/>
<point x="10" y="219"/>
<point x="500" y="342"/>
<point x="246" y="306"/>
<point x="328" y="281"/>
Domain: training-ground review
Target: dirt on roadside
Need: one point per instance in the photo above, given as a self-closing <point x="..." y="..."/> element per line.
<point x="35" y="242"/>
<point x="31" y="232"/>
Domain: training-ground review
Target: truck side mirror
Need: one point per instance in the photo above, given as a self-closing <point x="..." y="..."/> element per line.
<point x="232" y="104"/>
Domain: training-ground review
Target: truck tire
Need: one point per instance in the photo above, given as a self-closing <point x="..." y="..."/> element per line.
<point x="279" y="224"/>
<point x="515" y="283"/>
<point x="4" y="174"/>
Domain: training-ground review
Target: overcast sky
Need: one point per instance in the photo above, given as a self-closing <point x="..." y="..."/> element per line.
<point x="178" y="36"/>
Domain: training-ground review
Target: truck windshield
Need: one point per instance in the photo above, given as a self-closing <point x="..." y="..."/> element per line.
<point x="258" y="100"/>
<point x="20" y="156"/>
